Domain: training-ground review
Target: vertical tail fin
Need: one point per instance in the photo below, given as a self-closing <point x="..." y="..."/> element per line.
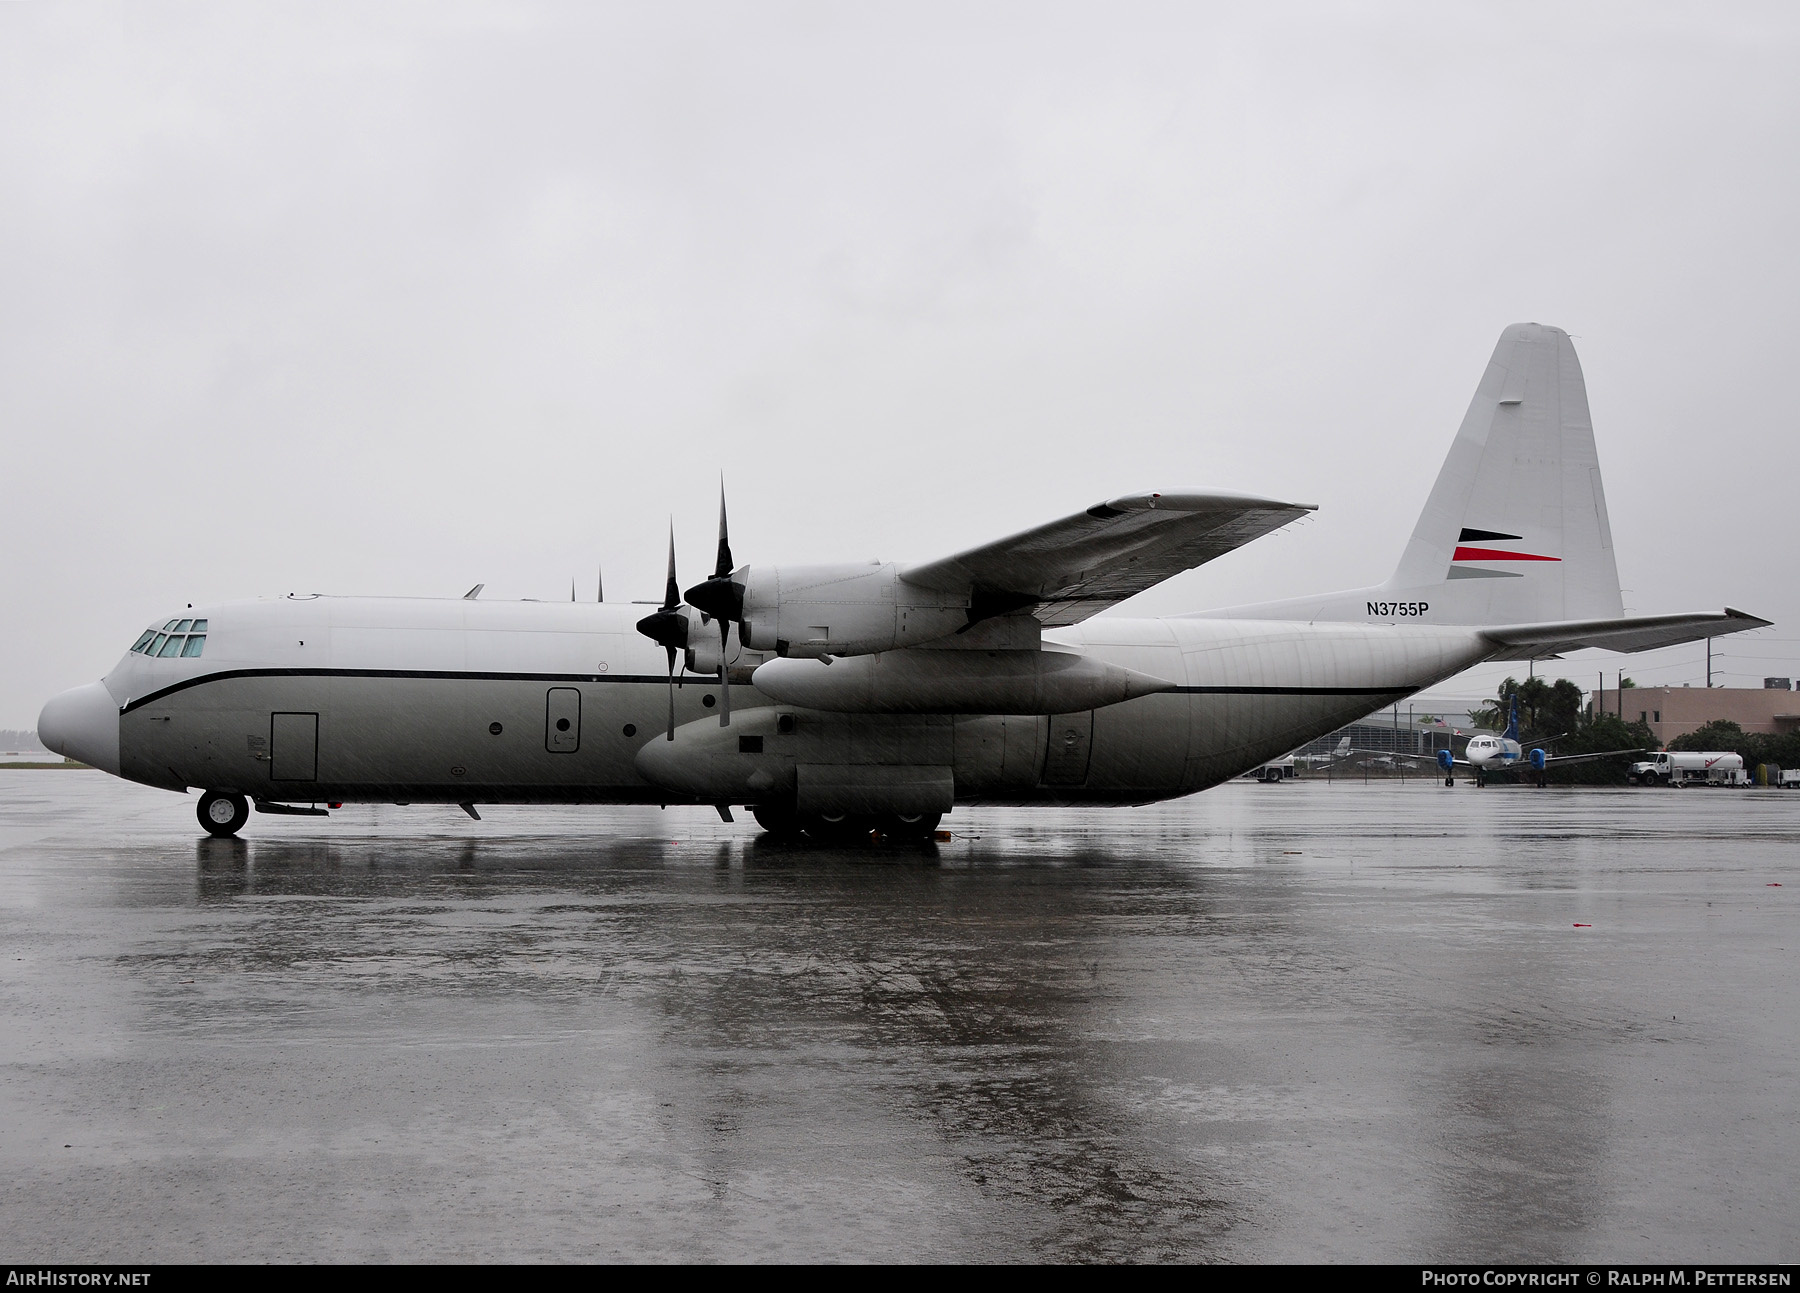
<point x="1512" y="717"/>
<point x="1515" y="529"/>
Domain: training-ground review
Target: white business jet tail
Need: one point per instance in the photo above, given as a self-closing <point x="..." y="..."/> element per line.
<point x="1514" y="538"/>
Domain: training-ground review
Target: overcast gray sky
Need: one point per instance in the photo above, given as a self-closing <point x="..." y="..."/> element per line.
<point x="398" y="298"/>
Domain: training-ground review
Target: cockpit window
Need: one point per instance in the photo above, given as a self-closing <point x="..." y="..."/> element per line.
<point x="177" y="638"/>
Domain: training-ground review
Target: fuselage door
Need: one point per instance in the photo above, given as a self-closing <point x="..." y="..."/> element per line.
<point x="562" y="720"/>
<point x="293" y="747"/>
<point x="1071" y="745"/>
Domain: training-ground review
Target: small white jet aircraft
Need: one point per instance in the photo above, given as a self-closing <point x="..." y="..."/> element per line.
<point x="881" y="695"/>
<point x="1487" y="754"/>
<point x="1337" y="754"/>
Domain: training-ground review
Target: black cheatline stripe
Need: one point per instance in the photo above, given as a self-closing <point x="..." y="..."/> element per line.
<point x="660" y="680"/>
<point x="1483" y="536"/>
<point x="1290" y="691"/>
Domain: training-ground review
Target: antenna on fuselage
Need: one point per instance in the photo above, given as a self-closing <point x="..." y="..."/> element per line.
<point x="473" y="593"/>
<point x="599" y="583"/>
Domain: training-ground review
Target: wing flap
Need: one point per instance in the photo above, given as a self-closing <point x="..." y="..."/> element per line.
<point x="1629" y="633"/>
<point x="1072" y="568"/>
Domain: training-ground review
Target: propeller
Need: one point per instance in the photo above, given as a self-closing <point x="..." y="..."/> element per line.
<point x="668" y="626"/>
<point x="722" y="599"/>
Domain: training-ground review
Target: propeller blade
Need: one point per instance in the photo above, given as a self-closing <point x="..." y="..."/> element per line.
<point x="668" y="627"/>
<point x="717" y="595"/>
<point x="722" y="567"/>
<point x="724" y="675"/>
<point x="671" y="651"/>
<point x="672" y="590"/>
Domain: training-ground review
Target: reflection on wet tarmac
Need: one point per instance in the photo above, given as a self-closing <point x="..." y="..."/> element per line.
<point x="1267" y="1023"/>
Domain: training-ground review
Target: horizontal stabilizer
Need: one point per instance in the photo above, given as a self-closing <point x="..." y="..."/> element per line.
<point x="1630" y="633"/>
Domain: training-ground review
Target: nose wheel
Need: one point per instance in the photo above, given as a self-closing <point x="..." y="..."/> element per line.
<point x="222" y="813"/>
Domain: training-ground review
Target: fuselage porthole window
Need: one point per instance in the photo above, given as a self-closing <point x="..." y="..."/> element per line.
<point x="195" y="645"/>
<point x="170" y="648"/>
<point x="146" y="640"/>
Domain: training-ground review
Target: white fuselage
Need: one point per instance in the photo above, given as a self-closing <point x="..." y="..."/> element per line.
<point x="1486" y="753"/>
<point x="401" y="700"/>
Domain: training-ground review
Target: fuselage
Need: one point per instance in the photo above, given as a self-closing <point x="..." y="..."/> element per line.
<point x="1486" y="752"/>
<point x="318" y="699"/>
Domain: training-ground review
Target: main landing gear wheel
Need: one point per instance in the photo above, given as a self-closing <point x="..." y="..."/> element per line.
<point x="222" y="814"/>
<point x="908" y="826"/>
<point x="836" y="828"/>
<point x="780" y="821"/>
<point x="1450" y="780"/>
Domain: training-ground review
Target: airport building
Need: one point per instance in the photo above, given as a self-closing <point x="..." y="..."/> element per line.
<point x="1406" y="733"/>
<point x="1675" y="711"/>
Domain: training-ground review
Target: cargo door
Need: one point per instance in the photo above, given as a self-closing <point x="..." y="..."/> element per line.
<point x="1071" y="745"/>
<point x="293" y="747"/>
<point x="562" y="720"/>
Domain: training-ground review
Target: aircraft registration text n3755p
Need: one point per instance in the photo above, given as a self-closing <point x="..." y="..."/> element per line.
<point x="849" y="696"/>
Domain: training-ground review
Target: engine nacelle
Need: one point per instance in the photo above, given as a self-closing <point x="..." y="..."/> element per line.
<point x="1539" y="760"/>
<point x="1446" y="760"/>
<point x="702" y="654"/>
<point x="812" y="611"/>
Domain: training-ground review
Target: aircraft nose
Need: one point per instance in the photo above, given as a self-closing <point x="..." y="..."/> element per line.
<point x="83" y="724"/>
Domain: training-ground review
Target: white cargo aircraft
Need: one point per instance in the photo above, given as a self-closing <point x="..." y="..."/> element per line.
<point x="882" y="694"/>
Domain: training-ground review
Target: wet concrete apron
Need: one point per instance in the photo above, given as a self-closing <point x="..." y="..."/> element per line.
<point x="1291" y="1022"/>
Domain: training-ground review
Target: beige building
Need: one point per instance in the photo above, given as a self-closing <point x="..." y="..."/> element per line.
<point x="1674" y="711"/>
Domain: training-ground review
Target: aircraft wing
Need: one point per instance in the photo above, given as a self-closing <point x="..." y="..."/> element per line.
<point x="1070" y="569"/>
<point x="1629" y="633"/>
<point x="1587" y="758"/>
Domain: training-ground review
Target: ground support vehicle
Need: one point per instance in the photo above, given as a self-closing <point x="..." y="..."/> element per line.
<point x="1690" y="768"/>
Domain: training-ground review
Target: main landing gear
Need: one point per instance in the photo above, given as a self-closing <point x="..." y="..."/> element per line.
<point x="222" y="813"/>
<point x="785" y="823"/>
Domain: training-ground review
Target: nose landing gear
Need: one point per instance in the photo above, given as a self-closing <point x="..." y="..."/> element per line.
<point x="222" y="813"/>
